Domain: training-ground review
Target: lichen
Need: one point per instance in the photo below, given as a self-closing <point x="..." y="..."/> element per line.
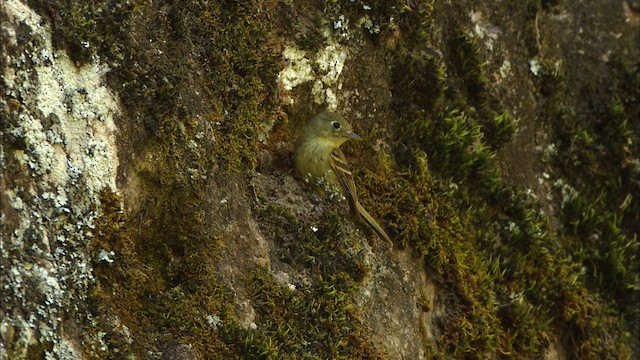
<point x="328" y="64"/>
<point x="61" y="141"/>
<point x="210" y="243"/>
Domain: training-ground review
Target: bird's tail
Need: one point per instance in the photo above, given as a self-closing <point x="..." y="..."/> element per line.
<point x="372" y="223"/>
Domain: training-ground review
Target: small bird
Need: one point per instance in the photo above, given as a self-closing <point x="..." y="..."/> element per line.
<point x="320" y="162"/>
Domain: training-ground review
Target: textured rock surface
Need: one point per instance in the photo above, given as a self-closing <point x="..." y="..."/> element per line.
<point x="64" y="125"/>
<point x="149" y="209"/>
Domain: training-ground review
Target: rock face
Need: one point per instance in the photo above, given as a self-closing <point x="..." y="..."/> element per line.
<point x="59" y="153"/>
<point x="149" y="208"/>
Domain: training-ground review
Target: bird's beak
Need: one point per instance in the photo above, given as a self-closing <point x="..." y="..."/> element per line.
<point x="353" y="135"/>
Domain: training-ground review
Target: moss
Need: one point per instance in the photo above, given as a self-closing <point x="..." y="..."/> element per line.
<point x="319" y="247"/>
<point x="314" y="320"/>
<point x="470" y="90"/>
<point x="89" y="27"/>
<point x="224" y="61"/>
<point x="163" y="289"/>
<point x="467" y="67"/>
<point x="418" y="74"/>
<point x="516" y="298"/>
<point x="509" y="281"/>
<point x="163" y="285"/>
<point x="415" y="18"/>
<point x="318" y="321"/>
<point x="596" y="160"/>
<point x="499" y="130"/>
<point x="379" y="12"/>
<point x="418" y="81"/>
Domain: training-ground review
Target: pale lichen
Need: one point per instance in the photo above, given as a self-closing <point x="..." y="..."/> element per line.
<point x="322" y="68"/>
<point x="62" y="156"/>
<point x="484" y="30"/>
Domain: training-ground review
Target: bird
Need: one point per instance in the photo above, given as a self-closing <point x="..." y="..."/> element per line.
<point x="320" y="162"/>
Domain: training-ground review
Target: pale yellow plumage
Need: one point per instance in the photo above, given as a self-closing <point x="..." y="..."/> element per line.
<point x="320" y="162"/>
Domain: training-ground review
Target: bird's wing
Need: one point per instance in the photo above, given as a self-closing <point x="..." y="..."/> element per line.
<point x="340" y="167"/>
<point x="343" y="172"/>
<point x="373" y="223"/>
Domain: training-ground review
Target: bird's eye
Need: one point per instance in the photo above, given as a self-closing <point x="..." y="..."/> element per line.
<point x="336" y="125"/>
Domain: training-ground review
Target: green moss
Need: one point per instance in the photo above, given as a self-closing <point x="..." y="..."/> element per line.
<point x="595" y="157"/>
<point x="84" y="28"/>
<point x="224" y="61"/>
<point x="499" y="130"/>
<point x="319" y="247"/>
<point x="163" y="288"/>
<point x="418" y="81"/>
<point x="511" y="278"/>
<point x="470" y="90"/>
<point x="467" y="66"/>
<point x="415" y="18"/>
<point x="163" y="285"/>
<point x="317" y="321"/>
<point x="511" y="300"/>
<point x="380" y="13"/>
<point x="510" y="283"/>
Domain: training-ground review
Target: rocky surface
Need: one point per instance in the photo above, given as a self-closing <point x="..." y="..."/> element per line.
<point x="149" y="208"/>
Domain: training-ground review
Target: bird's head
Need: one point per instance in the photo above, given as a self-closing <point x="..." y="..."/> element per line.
<point x="331" y="127"/>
